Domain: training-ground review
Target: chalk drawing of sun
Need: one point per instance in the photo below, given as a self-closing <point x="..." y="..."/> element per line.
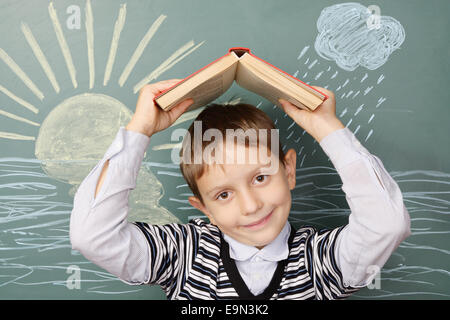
<point x="76" y="133"/>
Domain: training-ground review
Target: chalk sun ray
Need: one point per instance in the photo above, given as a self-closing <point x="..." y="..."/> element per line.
<point x="24" y="103"/>
<point x="188" y="116"/>
<point x="140" y="49"/>
<point x="167" y="146"/>
<point x="167" y="64"/>
<point x="120" y="22"/>
<point x="90" y="43"/>
<point x="21" y="74"/>
<point x="15" y="136"/>
<point x="40" y="56"/>
<point x="63" y="44"/>
<point x="15" y="117"/>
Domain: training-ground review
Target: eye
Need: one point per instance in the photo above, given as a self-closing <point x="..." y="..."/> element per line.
<point x="261" y="178"/>
<point x="223" y="195"/>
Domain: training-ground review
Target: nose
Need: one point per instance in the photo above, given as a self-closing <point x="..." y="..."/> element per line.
<point x="250" y="202"/>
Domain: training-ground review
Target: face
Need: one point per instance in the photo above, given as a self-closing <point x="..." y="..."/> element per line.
<point x="249" y="202"/>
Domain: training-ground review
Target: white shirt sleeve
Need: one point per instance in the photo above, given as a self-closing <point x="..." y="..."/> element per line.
<point x="98" y="227"/>
<point x="378" y="221"/>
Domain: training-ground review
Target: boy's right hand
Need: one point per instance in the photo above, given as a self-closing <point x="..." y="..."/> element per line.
<point x="320" y="122"/>
<point x="148" y="118"/>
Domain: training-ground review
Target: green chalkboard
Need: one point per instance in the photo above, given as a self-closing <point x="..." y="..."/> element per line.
<point x="70" y="72"/>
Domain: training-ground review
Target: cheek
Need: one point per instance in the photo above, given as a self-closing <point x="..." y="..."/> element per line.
<point x="224" y="215"/>
<point x="278" y="192"/>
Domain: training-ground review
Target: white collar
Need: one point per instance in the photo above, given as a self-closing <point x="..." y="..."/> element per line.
<point x="276" y="250"/>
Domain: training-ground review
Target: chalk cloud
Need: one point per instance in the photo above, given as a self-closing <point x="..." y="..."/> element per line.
<point x="345" y="37"/>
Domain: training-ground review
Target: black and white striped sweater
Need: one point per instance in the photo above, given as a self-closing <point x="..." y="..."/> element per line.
<point x="191" y="261"/>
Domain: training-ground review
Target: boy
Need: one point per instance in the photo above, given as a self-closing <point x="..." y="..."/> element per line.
<point x="248" y="250"/>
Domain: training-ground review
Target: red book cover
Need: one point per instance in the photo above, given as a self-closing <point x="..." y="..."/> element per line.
<point x="239" y="51"/>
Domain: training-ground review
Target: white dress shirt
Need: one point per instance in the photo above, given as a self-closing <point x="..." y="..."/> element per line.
<point x="378" y="222"/>
<point x="255" y="266"/>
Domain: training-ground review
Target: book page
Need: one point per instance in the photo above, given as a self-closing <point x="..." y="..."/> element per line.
<point x="212" y="88"/>
<point x="296" y="82"/>
<point x="205" y="86"/>
<point x="256" y="76"/>
<point x="252" y="81"/>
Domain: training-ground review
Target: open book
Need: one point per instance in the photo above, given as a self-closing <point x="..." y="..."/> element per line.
<point x="250" y="72"/>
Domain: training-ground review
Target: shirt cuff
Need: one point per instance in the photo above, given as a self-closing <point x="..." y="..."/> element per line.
<point x="343" y="148"/>
<point x="127" y="138"/>
<point x="128" y="150"/>
<point x="125" y="155"/>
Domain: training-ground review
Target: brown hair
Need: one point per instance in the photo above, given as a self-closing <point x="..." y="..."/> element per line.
<point x="222" y="117"/>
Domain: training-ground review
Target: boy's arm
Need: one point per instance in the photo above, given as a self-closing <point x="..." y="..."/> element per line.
<point x="98" y="224"/>
<point x="379" y="221"/>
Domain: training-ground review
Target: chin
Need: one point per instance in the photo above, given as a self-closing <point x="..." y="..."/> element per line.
<point x="267" y="235"/>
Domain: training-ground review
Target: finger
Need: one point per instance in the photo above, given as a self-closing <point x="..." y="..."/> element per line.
<point x="325" y="91"/>
<point x="288" y="107"/>
<point x="179" y="109"/>
<point x="160" y="86"/>
<point x="170" y="81"/>
<point x="174" y="79"/>
<point x="292" y="111"/>
<point x="157" y="87"/>
<point x="167" y="81"/>
<point x="320" y="89"/>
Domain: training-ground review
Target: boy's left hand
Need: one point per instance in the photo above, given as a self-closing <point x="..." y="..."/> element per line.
<point x="318" y="123"/>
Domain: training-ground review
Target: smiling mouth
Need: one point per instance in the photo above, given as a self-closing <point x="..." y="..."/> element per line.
<point x="259" y="223"/>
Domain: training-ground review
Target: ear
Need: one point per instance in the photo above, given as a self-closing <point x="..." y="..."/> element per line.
<point x="290" y="162"/>
<point x="198" y="204"/>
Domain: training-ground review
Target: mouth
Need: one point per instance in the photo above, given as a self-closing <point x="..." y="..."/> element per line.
<point x="260" y="223"/>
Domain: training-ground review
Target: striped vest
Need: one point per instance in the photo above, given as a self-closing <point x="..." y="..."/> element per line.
<point x="191" y="261"/>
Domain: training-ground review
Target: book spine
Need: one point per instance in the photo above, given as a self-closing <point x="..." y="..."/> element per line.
<point x="239" y="49"/>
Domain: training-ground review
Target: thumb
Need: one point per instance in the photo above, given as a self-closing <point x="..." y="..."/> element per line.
<point x="292" y="111"/>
